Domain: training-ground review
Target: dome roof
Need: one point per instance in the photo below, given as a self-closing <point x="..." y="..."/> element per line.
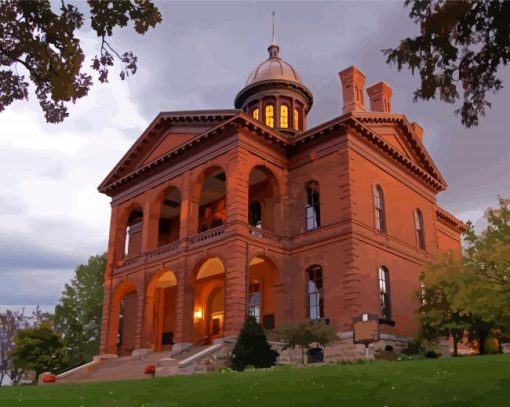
<point x="273" y="68"/>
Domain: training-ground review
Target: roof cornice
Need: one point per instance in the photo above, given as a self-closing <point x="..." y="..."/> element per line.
<point x="355" y="122"/>
<point x="449" y="220"/>
<point x="233" y="118"/>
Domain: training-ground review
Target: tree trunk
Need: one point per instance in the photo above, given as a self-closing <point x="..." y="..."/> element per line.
<point x="455" y="347"/>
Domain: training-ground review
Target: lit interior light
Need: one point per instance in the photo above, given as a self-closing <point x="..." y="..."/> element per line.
<point x="198" y="314"/>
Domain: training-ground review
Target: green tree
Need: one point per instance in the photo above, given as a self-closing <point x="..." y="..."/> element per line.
<point x="78" y="314"/>
<point x="303" y="334"/>
<point x="442" y="313"/>
<point x="39" y="349"/>
<point x="470" y="294"/>
<point x="252" y="348"/>
<point x="40" y="38"/>
<point x="11" y="323"/>
<point x="460" y="47"/>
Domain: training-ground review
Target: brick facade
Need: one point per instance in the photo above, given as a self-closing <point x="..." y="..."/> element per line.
<point x="194" y="244"/>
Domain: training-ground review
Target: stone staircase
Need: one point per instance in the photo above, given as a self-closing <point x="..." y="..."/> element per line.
<point x="196" y="359"/>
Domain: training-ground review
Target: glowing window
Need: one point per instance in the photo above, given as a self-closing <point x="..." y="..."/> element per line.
<point x="284" y="116"/>
<point x="255" y="113"/>
<point x="270" y="115"/>
<point x="296" y="119"/>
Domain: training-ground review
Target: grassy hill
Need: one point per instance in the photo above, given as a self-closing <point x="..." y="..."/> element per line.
<point x="468" y="381"/>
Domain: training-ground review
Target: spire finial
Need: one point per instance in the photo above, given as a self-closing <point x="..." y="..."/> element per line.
<point x="273" y="48"/>
<point x="273" y="42"/>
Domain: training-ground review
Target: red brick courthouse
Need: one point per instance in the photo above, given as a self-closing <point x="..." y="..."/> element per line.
<point x="220" y="213"/>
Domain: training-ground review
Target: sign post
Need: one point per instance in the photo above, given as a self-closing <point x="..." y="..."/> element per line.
<point x="365" y="330"/>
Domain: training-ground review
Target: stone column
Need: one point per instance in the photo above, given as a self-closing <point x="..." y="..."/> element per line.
<point x="140" y="312"/>
<point x="148" y="340"/>
<point x="183" y="333"/>
<point x="237" y="185"/>
<point x="151" y="210"/>
<point x="190" y="200"/>
<point x="110" y="262"/>
<point x="235" y="287"/>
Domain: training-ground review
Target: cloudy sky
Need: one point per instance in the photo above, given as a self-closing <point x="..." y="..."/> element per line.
<point x="51" y="215"/>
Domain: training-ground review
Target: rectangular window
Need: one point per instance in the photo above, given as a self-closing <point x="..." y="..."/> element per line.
<point x="315" y="294"/>
<point x="313" y="215"/>
<point x="384" y="292"/>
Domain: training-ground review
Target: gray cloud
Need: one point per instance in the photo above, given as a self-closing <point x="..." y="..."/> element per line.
<point x="23" y="252"/>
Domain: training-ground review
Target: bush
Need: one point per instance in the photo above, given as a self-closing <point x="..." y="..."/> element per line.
<point x="252" y="348"/>
<point x="432" y="355"/>
<point x="414" y="347"/>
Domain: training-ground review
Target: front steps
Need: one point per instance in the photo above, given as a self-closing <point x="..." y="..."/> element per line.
<point x="194" y="359"/>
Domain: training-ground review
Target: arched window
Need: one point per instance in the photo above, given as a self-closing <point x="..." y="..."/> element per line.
<point x="284" y="116"/>
<point x="420" y="234"/>
<point x="270" y="115"/>
<point x="296" y="118"/>
<point x="384" y="293"/>
<point x="256" y="113"/>
<point x="380" y="216"/>
<point x="313" y="210"/>
<point x="315" y="293"/>
<point x="255" y="214"/>
<point x="254" y="300"/>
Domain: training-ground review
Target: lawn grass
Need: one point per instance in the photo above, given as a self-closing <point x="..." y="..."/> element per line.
<point x="468" y="381"/>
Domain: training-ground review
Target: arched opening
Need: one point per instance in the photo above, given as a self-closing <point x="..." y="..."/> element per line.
<point x="124" y="313"/>
<point x="213" y="203"/>
<point x="133" y="236"/>
<point x="256" y="113"/>
<point x="263" y="199"/>
<point x="209" y="304"/>
<point x="169" y="217"/>
<point x="163" y="291"/>
<point x="261" y="291"/>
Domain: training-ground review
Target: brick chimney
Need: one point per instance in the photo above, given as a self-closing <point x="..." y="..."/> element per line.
<point x="380" y="97"/>
<point x="418" y="130"/>
<point x="353" y="86"/>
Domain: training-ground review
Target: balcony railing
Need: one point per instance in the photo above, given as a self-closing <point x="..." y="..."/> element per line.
<point x="164" y="250"/>
<point x="130" y="262"/>
<point x="264" y="234"/>
<point x="208" y="235"/>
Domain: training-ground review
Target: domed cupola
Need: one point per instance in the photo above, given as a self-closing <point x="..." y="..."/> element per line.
<point x="275" y="95"/>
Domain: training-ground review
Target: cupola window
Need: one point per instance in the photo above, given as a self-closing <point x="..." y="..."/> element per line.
<point x="284" y="116"/>
<point x="296" y="119"/>
<point x="256" y="113"/>
<point x="270" y="115"/>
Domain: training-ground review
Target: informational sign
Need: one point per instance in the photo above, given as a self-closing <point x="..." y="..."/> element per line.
<point x="366" y="329"/>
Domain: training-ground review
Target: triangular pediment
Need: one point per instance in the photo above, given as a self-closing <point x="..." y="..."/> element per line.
<point x="396" y="131"/>
<point x="168" y="132"/>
